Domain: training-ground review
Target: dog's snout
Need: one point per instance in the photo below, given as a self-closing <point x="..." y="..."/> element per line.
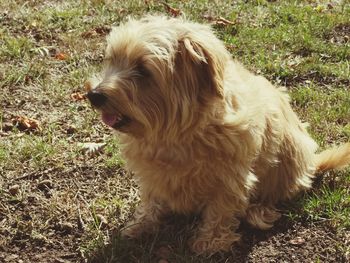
<point x="96" y="98"/>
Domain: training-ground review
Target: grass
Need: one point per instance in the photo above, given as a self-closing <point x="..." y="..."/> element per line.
<point x="303" y="45"/>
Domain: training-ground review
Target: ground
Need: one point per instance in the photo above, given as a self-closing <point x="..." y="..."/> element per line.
<point x="64" y="194"/>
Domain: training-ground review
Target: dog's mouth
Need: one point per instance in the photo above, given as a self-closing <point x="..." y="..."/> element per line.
<point x="115" y="120"/>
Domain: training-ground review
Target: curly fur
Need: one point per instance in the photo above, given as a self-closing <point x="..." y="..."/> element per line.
<point x="206" y="135"/>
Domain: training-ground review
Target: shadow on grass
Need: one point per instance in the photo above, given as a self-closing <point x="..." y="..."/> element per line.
<point x="170" y="244"/>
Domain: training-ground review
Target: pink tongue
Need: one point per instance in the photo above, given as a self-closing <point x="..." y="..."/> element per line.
<point x="109" y="119"/>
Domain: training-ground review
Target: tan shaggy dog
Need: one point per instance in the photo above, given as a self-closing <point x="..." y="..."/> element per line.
<point x="201" y="133"/>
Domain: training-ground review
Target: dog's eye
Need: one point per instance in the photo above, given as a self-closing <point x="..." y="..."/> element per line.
<point x="142" y="71"/>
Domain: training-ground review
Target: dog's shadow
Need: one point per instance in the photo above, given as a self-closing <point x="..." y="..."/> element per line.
<point x="170" y="244"/>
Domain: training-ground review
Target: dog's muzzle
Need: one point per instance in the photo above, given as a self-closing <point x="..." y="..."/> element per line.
<point x="96" y="98"/>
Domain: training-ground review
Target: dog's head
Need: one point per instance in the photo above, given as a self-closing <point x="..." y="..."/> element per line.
<point x="161" y="77"/>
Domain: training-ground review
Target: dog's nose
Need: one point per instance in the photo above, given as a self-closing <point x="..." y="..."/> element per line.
<point x="96" y="98"/>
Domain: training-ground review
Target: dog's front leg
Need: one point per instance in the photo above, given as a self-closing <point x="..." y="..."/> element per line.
<point x="147" y="218"/>
<point x="216" y="230"/>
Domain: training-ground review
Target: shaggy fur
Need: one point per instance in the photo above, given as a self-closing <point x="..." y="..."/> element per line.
<point x="200" y="132"/>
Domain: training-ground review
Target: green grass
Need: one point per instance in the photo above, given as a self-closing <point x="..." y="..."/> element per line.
<point x="329" y="204"/>
<point x="303" y="45"/>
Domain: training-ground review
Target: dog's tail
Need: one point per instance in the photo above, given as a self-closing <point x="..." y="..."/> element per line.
<point x="334" y="158"/>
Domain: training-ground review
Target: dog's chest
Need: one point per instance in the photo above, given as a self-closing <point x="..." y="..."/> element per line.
<point x="180" y="183"/>
<point x="175" y="186"/>
<point x="186" y="176"/>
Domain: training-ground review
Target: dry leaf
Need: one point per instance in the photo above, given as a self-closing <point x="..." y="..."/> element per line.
<point x="91" y="148"/>
<point x="61" y="56"/>
<point x="77" y="96"/>
<point x="220" y="21"/>
<point x="223" y="22"/>
<point x="103" y="30"/>
<point x="70" y="129"/>
<point x="87" y="86"/>
<point x="26" y="124"/>
<point x="298" y="241"/>
<point x="7" y="126"/>
<point x="171" y="10"/>
<point x="208" y="17"/>
<point x="121" y="11"/>
<point x="100" y="30"/>
<point x="14" y="189"/>
<point x="103" y="221"/>
<point x="89" y="34"/>
<point x="45" y="184"/>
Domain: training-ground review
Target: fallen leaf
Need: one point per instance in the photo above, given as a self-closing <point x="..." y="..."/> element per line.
<point x="45" y="185"/>
<point x="7" y="126"/>
<point x="102" y="30"/>
<point x="208" y="17"/>
<point x="77" y="96"/>
<point x="231" y="47"/>
<point x="66" y="227"/>
<point x="89" y="34"/>
<point x="14" y="189"/>
<point x="91" y="148"/>
<point x="87" y="86"/>
<point x="26" y="124"/>
<point x="121" y="11"/>
<point x="171" y="10"/>
<point x="61" y="56"/>
<point x="4" y="134"/>
<point x="224" y="21"/>
<point x="97" y="31"/>
<point x="297" y="241"/>
<point x="71" y="129"/>
<point x="103" y="221"/>
<point x="220" y="21"/>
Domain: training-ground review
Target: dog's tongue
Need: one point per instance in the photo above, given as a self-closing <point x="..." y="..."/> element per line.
<point x="109" y="119"/>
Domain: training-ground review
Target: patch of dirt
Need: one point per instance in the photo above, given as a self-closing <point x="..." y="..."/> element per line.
<point x="286" y="242"/>
<point x="315" y="77"/>
<point x="339" y="35"/>
<point x="18" y="26"/>
<point x="297" y="243"/>
<point x="44" y="214"/>
<point x="45" y="217"/>
<point x="303" y="52"/>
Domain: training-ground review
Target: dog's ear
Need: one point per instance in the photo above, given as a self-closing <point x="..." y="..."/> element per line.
<point x="205" y="61"/>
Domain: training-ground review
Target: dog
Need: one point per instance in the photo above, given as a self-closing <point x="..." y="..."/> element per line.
<point x="200" y="132"/>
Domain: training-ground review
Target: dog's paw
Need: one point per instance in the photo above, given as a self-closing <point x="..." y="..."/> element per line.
<point x="262" y="217"/>
<point x="199" y="246"/>
<point x="209" y="246"/>
<point x="132" y="231"/>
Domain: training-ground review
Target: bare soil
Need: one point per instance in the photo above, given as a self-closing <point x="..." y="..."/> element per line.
<point x="60" y="238"/>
